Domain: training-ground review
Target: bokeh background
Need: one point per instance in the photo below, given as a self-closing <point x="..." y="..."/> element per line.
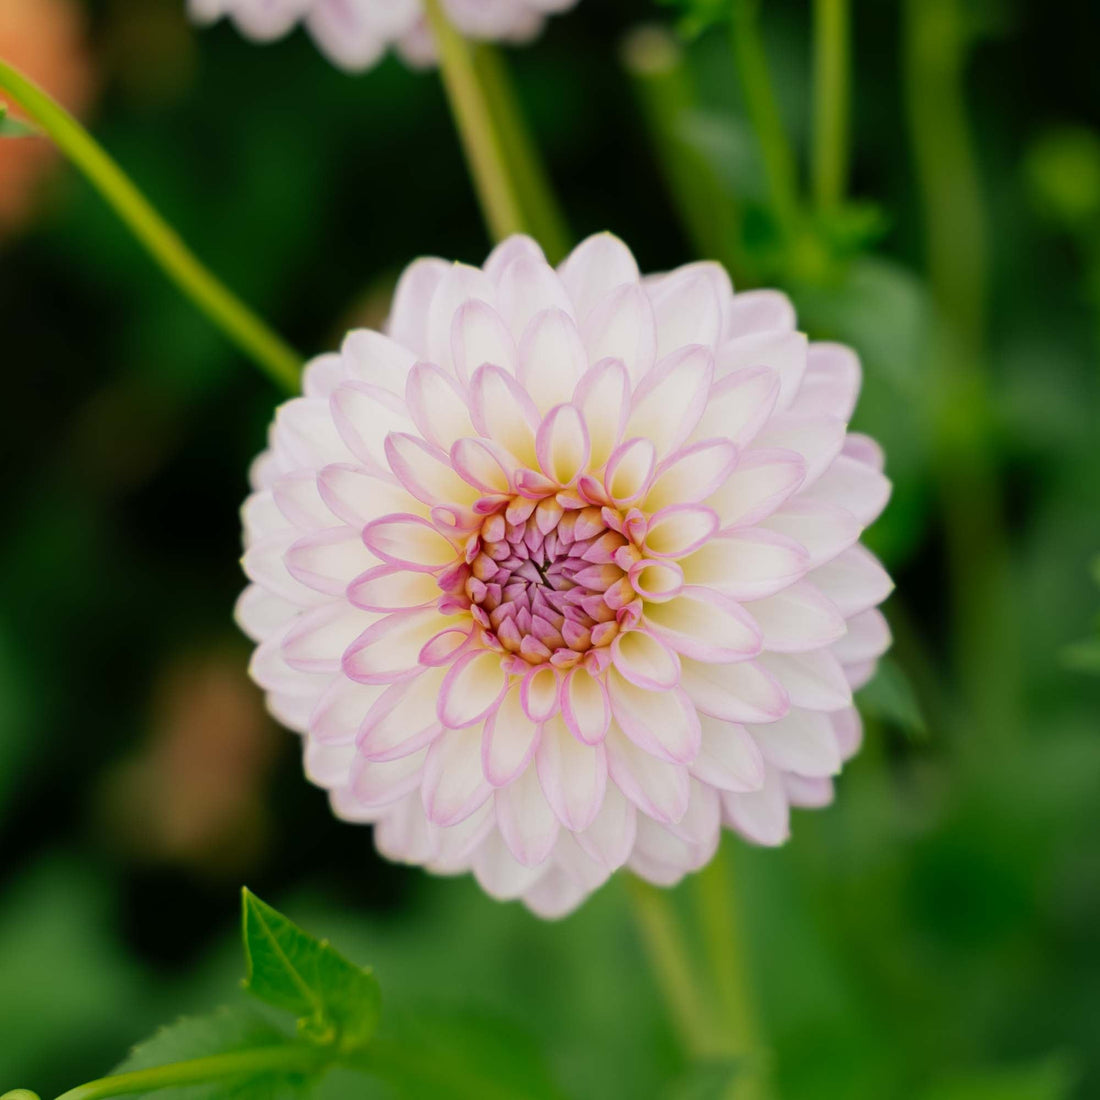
<point x="933" y="935"/>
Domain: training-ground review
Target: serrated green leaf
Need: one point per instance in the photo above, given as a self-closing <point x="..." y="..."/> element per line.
<point x="226" y="1031"/>
<point x="14" y="127"/>
<point x="890" y="698"/>
<point x="336" y="1002"/>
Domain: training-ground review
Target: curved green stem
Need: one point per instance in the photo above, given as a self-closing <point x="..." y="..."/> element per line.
<point x="477" y="129"/>
<point x="284" y="1059"/>
<point x="242" y="326"/>
<point x="540" y="206"/>
<point x="724" y="944"/>
<point x="832" y="45"/>
<point x="670" y="960"/>
<point x="763" y="109"/>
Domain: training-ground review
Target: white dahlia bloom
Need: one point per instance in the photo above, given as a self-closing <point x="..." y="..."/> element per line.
<point x="354" y="34"/>
<point x="563" y="572"/>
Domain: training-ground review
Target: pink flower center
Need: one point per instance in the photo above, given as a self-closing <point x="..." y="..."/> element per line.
<point x="548" y="584"/>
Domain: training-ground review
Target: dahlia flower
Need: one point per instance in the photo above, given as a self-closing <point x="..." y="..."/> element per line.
<point x="562" y="573"/>
<point x="356" y="33"/>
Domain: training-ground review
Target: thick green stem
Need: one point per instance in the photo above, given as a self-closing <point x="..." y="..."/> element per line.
<point x="477" y="128"/>
<point x="958" y="383"/>
<point x="832" y="46"/>
<point x="710" y="214"/>
<point x="763" y="110"/>
<point x="726" y="958"/>
<point x="541" y="211"/>
<point x="691" y="1014"/>
<point x="242" y="326"/>
<point x="218" y="1067"/>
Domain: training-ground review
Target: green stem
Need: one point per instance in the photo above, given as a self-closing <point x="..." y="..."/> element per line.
<point x="832" y="46"/>
<point x="710" y="213"/>
<point x="540" y="207"/>
<point x="726" y="955"/>
<point x="763" y="110"/>
<point x="242" y="326"/>
<point x="673" y="969"/>
<point x="285" y="1059"/>
<point x="485" y="154"/>
<point x="957" y="248"/>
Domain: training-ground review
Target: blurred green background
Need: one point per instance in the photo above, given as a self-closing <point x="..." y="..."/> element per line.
<point x="933" y="935"/>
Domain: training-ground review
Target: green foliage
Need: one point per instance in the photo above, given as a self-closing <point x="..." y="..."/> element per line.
<point x="225" y="1031"/>
<point x="890" y="697"/>
<point x="714" y="1079"/>
<point x="696" y="16"/>
<point x="460" y="1054"/>
<point x="1052" y="1079"/>
<point x="336" y="1002"/>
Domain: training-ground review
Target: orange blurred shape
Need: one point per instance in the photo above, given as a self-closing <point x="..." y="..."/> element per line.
<point x="46" y="40"/>
<point x="194" y="793"/>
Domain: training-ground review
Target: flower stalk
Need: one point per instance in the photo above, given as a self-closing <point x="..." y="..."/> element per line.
<point x="832" y="48"/>
<point x="763" y="109"/>
<point x="478" y="127"/>
<point x="265" y="347"/>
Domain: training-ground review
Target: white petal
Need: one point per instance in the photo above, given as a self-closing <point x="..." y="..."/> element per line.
<point x="573" y="775"/>
<point x="692" y="474"/>
<point x="376" y="359"/>
<point x="403" y="718"/>
<point x="760" y="483"/>
<point x="738" y="405"/>
<point x="797" y="619"/>
<point x="704" y="625"/>
<point x="479" y="336"/>
<point x="688" y="306"/>
<point x="509" y="741"/>
<point x="831" y="383"/>
<point x="761" y="816"/>
<point x="729" y="758"/>
<point x="603" y="395"/>
<point x="657" y="787"/>
<point x="823" y="530"/>
<point x="663" y="723"/>
<point x="525" y="819"/>
<point x="802" y="741"/>
<point x="868" y="637"/>
<point x="621" y="326"/>
<point x="813" y="680"/>
<point x="783" y="352"/>
<point x="408" y="323"/>
<point x="746" y="565"/>
<point x="596" y="266"/>
<point x="527" y="288"/>
<point x="473" y="687"/>
<point x="317" y="641"/>
<point x="855" y="486"/>
<point x="671" y="398"/>
<point x="460" y="284"/>
<point x="740" y="692"/>
<point x="454" y="784"/>
<point x="552" y="359"/>
<point x="437" y="404"/>
<point x="854" y="580"/>
<point x="817" y="439"/>
<point x="610" y="837"/>
<point x="329" y="560"/>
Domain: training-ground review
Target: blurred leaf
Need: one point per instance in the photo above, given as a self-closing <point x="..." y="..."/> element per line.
<point x="335" y="1000"/>
<point x="1062" y="170"/>
<point x="1083" y="656"/>
<point x="1052" y="1079"/>
<point x="14" y="127"/>
<point x="853" y="227"/>
<point x="459" y="1054"/>
<point x="709" y="1080"/>
<point x="226" y="1031"/>
<point x="697" y="16"/>
<point x="890" y="697"/>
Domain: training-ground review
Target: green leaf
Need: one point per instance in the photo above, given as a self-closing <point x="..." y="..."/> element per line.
<point x="890" y="698"/>
<point x="14" y="127"/>
<point x="697" y="16"/>
<point x="336" y="1002"/>
<point x="1083" y="656"/>
<point x="226" y="1031"/>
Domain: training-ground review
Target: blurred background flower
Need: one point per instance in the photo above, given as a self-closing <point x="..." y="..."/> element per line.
<point x="46" y="39"/>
